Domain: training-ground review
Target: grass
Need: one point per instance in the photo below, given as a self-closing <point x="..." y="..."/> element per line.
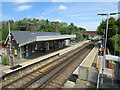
<point x="5" y="61"/>
<point x="1" y="42"/>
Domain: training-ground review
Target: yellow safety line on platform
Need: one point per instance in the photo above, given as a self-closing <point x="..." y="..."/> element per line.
<point x="45" y="68"/>
<point x="89" y="64"/>
<point x="26" y="62"/>
<point x="98" y="62"/>
<point x="81" y="80"/>
<point x="6" y="71"/>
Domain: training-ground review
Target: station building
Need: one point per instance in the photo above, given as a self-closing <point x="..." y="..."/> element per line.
<point x="26" y="43"/>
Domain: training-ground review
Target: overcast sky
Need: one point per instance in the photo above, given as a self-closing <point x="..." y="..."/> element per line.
<point x="83" y="14"/>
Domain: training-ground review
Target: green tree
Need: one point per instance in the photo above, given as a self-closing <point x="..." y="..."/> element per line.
<point x="40" y="25"/>
<point x="115" y="43"/>
<point x="101" y="28"/>
<point x="113" y="26"/>
<point x="4" y="60"/>
<point x="79" y="37"/>
<point x="118" y="25"/>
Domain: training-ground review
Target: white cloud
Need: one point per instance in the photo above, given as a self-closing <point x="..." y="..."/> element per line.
<point x="23" y="7"/>
<point x="41" y="17"/>
<point x="62" y="7"/>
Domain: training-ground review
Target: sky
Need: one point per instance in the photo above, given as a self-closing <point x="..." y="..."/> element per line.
<point x="82" y="14"/>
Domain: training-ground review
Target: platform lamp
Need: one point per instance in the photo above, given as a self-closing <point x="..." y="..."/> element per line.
<point x="105" y="41"/>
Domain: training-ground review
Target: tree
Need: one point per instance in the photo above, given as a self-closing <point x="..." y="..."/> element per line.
<point x="113" y="26"/>
<point x="4" y="34"/>
<point x="115" y="43"/>
<point x="79" y="37"/>
<point x="118" y="25"/>
<point x="101" y="28"/>
<point x="40" y="25"/>
<point x="81" y="29"/>
<point x="71" y="24"/>
<point x="5" y="30"/>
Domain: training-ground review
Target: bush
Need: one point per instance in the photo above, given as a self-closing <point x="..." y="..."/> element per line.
<point x="5" y="61"/>
<point x="115" y="46"/>
<point x="79" y="37"/>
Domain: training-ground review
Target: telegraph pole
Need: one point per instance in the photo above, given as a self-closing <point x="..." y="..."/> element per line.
<point x="10" y="48"/>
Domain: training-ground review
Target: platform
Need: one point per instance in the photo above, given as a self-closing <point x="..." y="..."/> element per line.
<point x="88" y="61"/>
<point x="88" y="64"/>
<point x="59" y="52"/>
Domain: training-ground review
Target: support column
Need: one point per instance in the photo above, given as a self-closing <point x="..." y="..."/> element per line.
<point x="27" y="51"/>
<point x="47" y="45"/>
<point x="63" y="43"/>
<point x="20" y="53"/>
<point x="59" y="44"/>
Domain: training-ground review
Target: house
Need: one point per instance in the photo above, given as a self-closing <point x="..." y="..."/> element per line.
<point x="25" y="43"/>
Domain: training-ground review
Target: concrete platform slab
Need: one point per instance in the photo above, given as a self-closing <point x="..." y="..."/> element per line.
<point x="80" y="84"/>
<point x="69" y="84"/>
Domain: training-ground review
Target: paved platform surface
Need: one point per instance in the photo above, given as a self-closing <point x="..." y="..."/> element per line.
<point x="108" y="79"/>
<point x="88" y="63"/>
<point x="27" y="62"/>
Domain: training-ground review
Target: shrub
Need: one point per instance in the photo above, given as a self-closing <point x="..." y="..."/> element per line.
<point x="5" y="61"/>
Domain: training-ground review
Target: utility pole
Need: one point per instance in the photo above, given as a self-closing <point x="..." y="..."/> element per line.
<point x="10" y="46"/>
<point x="105" y="44"/>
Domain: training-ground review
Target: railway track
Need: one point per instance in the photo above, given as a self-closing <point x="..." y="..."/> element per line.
<point x="65" y="72"/>
<point x="56" y="77"/>
<point x="26" y="79"/>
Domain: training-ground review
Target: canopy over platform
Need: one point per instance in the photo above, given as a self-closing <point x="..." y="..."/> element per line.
<point x="54" y="37"/>
<point x="26" y="37"/>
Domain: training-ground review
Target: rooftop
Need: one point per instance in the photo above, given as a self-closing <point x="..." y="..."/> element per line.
<point x="25" y="37"/>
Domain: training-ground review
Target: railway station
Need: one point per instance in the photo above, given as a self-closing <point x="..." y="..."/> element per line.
<point x="60" y="46"/>
<point x="25" y="43"/>
<point x="83" y="69"/>
<point x="61" y="53"/>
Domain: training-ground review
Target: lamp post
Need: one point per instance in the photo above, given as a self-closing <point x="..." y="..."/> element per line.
<point x="105" y="43"/>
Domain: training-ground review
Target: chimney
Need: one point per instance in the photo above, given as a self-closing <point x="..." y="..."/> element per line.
<point x="31" y="27"/>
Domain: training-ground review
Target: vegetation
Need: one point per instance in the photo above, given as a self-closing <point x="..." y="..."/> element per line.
<point x="5" y="61"/>
<point x="42" y="26"/>
<point x="115" y="43"/>
<point x="113" y="39"/>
